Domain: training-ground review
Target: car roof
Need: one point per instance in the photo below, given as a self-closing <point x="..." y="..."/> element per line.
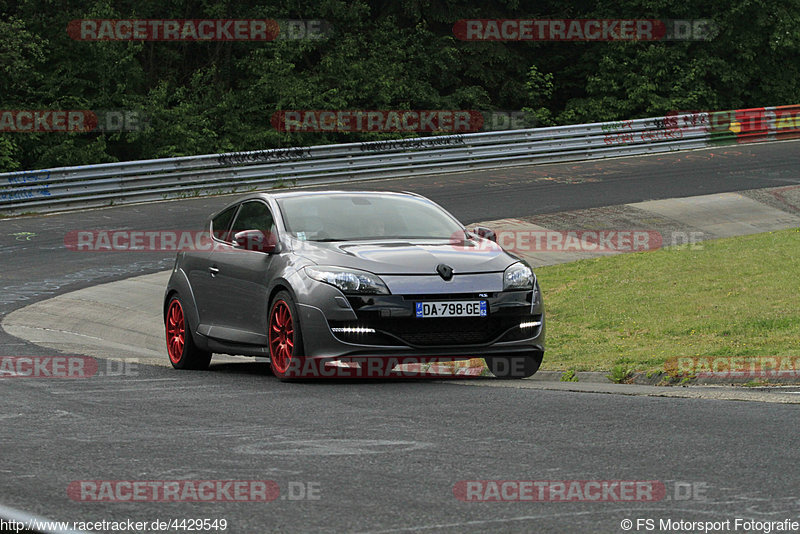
<point x="289" y="194"/>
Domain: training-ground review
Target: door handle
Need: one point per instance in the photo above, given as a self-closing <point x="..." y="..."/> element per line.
<point x="214" y="271"/>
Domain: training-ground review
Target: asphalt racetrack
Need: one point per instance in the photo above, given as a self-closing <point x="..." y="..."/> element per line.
<point x="386" y="456"/>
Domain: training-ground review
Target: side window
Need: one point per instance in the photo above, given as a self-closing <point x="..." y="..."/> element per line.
<point x="222" y="223"/>
<point x="254" y="215"/>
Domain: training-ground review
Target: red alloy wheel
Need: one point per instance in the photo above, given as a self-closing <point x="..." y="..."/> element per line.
<point x="281" y="337"/>
<point x="176" y="332"/>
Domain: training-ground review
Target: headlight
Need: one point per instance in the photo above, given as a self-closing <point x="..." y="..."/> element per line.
<point x="349" y="281"/>
<point x="518" y="276"/>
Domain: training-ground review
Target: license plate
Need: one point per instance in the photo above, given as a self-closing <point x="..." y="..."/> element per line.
<point x="460" y="308"/>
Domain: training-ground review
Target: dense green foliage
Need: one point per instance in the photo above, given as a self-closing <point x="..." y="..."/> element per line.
<point x="211" y="97"/>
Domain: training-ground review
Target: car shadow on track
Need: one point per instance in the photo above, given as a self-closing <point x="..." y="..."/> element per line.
<point x="263" y="369"/>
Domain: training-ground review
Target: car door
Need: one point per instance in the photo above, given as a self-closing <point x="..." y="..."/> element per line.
<point x="239" y="280"/>
<point x="197" y="266"/>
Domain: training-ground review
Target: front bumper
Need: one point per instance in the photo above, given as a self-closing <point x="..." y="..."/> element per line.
<point x="385" y="326"/>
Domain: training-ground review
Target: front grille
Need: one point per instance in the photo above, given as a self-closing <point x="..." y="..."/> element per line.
<point x="449" y="296"/>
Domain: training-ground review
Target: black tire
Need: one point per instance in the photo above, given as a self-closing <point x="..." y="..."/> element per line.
<point x="181" y="348"/>
<point x="511" y="367"/>
<point x="285" y="340"/>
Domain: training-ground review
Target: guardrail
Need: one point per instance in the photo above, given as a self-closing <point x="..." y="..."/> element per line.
<point x="85" y="186"/>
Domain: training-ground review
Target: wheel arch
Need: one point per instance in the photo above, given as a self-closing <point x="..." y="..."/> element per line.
<point x="281" y="284"/>
<point x="179" y="285"/>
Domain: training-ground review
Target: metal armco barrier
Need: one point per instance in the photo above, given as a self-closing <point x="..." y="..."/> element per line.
<point x="47" y="190"/>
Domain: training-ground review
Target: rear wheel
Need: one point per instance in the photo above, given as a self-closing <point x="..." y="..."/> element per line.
<point x="182" y="351"/>
<point x="285" y="339"/>
<point x="521" y="366"/>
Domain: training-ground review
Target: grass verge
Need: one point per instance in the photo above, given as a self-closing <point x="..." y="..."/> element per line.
<point x="738" y="296"/>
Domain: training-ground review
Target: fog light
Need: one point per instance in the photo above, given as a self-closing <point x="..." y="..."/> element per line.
<point x="530" y="324"/>
<point x="353" y="330"/>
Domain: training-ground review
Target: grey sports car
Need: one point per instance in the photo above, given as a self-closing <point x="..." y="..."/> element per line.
<point x="338" y="283"/>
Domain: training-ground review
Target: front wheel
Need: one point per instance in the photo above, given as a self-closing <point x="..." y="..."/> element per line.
<point x="285" y="338"/>
<point x="521" y="366"/>
<point x="183" y="353"/>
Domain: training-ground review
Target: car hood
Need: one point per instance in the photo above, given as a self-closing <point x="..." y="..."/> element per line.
<point x="409" y="256"/>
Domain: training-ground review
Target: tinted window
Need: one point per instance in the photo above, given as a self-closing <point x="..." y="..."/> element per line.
<point x="254" y="216"/>
<point x="222" y="222"/>
<point x="365" y="216"/>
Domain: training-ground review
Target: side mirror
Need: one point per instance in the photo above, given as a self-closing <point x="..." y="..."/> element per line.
<point x="486" y="233"/>
<point x="256" y="241"/>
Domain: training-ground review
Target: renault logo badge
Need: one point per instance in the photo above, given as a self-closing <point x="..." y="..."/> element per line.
<point x="445" y="271"/>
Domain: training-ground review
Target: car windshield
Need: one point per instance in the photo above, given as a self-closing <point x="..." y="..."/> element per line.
<point x="353" y="217"/>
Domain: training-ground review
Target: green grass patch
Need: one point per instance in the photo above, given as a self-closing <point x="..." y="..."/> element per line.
<point x="569" y="376"/>
<point x="738" y="296"/>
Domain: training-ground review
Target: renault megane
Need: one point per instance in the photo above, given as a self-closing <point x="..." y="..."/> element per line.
<point x="317" y="278"/>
